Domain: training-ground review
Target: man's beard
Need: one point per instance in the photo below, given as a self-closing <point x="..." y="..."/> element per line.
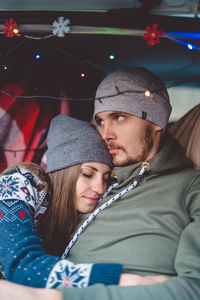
<point x="126" y="162"/>
<point x="146" y="141"/>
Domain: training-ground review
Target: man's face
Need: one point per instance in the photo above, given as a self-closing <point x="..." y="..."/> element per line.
<point x="129" y="138"/>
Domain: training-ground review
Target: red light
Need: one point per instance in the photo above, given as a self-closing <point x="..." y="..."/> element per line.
<point x="82" y="75"/>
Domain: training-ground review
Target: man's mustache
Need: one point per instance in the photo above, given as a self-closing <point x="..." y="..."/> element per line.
<point x="112" y="145"/>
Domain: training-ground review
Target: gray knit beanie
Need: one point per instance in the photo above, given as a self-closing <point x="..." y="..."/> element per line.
<point x="137" y="91"/>
<point x="71" y="142"/>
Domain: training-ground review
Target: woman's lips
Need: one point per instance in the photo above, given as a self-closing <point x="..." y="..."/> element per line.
<point x="92" y="199"/>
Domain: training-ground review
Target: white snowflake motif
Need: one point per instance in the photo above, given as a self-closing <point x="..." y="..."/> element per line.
<point x="8" y="186"/>
<point x="66" y="273"/>
<point x="61" y="26"/>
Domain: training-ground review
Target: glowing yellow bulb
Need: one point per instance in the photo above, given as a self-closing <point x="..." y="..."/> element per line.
<point x="148" y="93"/>
<point x="16" y="31"/>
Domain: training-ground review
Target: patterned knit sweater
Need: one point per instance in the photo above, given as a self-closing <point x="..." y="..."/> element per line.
<point x="22" y="202"/>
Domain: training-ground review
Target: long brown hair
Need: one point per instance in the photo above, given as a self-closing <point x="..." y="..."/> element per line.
<point x="59" y="222"/>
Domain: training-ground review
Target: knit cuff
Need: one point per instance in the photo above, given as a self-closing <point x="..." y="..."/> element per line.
<point x="107" y="274"/>
<point x="69" y="274"/>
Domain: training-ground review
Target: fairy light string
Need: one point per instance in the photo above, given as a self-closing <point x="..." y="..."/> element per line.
<point x="23" y="150"/>
<point x="146" y="92"/>
<point x="61" y="27"/>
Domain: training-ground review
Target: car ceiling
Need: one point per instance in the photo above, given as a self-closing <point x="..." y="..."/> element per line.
<point x="98" y="29"/>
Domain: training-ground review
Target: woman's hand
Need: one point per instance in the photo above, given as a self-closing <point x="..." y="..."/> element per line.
<point x="133" y="279"/>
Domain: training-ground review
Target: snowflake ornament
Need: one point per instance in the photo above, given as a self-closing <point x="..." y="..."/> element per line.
<point x="152" y="35"/>
<point x="11" y="28"/>
<point x="61" y="27"/>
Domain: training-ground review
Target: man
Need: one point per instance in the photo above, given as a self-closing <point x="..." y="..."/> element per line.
<point x="152" y="224"/>
<point x="154" y="227"/>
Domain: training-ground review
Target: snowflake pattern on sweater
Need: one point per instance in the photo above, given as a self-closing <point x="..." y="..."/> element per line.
<point x="68" y="274"/>
<point x="22" y="201"/>
<point x="23" y="186"/>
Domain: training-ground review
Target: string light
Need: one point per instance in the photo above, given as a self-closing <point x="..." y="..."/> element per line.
<point x="61" y="27"/>
<point x="153" y="35"/>
<point x="42" y="149"/>
<point x="168" y="35"/>
<point x="112" y="57"/>
<point x="37" y="56"/>
<point x="11" y="28"/>
<point x="15" y="30"/>
<point x="148" y="93"/>
<point x="192" y="47"/>
<point x="12" y="95"/>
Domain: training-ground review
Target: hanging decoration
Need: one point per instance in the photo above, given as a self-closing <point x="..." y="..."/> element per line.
<point x="11" y="28"/>
<point x="61" y="27"/>
<point x="152" y="35"/>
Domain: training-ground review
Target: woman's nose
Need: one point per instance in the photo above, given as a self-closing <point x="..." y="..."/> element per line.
<point x="99" y="187"/>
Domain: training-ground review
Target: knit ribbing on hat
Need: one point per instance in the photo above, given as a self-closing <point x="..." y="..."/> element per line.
<point x="124" y="90"/>
<point x="71" y="142"/>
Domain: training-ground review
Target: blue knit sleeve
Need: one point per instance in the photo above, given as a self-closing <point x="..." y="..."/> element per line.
<point x="22" y="201"/>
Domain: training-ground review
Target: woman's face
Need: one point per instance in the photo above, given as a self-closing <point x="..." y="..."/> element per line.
<point x="91" y="185"/>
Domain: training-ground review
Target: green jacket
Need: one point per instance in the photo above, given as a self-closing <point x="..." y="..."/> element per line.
<point x="153" y="229"/>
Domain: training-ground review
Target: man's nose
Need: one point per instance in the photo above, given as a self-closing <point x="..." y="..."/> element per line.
<point x="107" y="133"/>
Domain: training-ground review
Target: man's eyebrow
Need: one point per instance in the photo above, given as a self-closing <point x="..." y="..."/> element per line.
<point x="112" y="114"/>
<point x="117" y="113"/>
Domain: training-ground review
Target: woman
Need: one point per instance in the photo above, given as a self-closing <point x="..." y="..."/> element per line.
<point x="79" y="167"/>
<point x="77" y="160"/>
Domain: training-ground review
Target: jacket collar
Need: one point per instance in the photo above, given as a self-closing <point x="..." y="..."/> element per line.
<point x="171" y="156"/>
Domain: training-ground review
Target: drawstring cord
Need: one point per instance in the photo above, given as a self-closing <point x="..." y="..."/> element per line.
<point x="145" y="167"/>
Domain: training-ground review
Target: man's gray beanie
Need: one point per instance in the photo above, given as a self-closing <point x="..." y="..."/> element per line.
<point x="137" y="91"/>
<point x="71" y="142"/>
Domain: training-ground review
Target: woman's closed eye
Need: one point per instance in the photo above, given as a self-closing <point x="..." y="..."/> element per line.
<point x="87" y="175"/>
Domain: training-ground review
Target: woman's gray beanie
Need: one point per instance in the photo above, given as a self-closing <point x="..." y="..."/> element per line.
<point x="71" y="142"/>
<point x="137" y="91"/>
